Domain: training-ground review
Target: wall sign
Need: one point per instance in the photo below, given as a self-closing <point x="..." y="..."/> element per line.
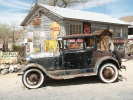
<point x="86" y="28"/>
<point x="55" y="30"/>
<point x="118" y="40"/>
<point x="50" y="45"/>
<point x="8" y="57"/>
<point x="30" y="34"/>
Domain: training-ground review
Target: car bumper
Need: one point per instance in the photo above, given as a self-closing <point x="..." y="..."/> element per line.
<point x="123" y="67"/>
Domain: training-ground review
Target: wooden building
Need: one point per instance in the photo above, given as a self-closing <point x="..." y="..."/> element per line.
<point x="49" y="22"/>
<point x="104" y="38"/>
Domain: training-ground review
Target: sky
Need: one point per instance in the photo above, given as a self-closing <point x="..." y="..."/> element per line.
<point x="16" y="10"/>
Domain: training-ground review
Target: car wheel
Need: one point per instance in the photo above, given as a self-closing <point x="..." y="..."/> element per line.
<point x="108" y="73"/>
<point x="33" y="78"/>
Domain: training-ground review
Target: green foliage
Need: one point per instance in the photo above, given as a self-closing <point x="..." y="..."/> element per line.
<point x="20" y="49"/>
<point x="16" y="47"/>
<point x="5" y="31"/>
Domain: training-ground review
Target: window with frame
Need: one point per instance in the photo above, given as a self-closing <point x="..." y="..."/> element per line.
<point x="75" y="29"/>
<point x="130" y="31"/>
<point x="119" y="32"/>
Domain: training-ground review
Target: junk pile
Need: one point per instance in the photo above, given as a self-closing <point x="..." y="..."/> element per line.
<point x="128" y="49"/>
<point x="10" y="62"/>
<point x="10" y="68"/>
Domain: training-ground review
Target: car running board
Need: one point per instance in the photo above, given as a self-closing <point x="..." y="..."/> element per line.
<point x="71" y="76"/>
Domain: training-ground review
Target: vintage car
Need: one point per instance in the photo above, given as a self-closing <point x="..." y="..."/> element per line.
<point x="76" y="56"/>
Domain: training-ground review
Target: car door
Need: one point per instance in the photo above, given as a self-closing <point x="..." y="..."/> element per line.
<point x="70" y="61"/>
<point x="72" y="58"/>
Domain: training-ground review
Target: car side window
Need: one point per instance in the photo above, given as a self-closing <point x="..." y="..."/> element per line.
<point x="89" y="42"/>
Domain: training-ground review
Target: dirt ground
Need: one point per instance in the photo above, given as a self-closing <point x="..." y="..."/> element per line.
<point x="11" y="88"/>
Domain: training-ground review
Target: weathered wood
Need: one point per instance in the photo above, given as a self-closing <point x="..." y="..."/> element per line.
<point x="47" y="18"/>
<point x="103" y="39"/>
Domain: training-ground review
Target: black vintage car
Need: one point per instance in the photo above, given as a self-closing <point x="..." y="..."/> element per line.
<point x="76" y="56"/>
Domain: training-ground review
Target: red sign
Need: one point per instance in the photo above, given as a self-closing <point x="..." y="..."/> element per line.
<point x="79" y="40"/>
<point x="118" y="40"/>
<point x="72" y="40"/>
<point x="86" y="28"/>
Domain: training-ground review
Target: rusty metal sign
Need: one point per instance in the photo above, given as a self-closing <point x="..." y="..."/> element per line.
<point x="118" y="40"/>
<point x="8" y="57"/>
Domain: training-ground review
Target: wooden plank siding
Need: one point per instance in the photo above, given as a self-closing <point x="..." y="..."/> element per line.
<point x="96" y="26"/>
<point x="47" y="19"/>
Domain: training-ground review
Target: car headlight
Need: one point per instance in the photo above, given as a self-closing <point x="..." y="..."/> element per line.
<point x="29" y="59"/>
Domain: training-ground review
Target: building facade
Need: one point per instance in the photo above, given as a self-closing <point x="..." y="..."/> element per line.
<point x="48" y="23"/>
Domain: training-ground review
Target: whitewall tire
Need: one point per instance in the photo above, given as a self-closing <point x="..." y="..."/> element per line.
<point x="33" y="78"/>
<point x="108" y="73"/>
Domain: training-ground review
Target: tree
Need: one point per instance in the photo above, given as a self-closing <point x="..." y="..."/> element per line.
<point x="62" y="3"/>
<point x="5" y="34"/>
<point x="17" y="32"/>
<point x="10" y="33"/>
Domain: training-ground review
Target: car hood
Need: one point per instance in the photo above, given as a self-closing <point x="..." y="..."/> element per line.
<point x="44" y="54"/>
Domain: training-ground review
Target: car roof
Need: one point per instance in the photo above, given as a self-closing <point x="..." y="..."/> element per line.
<point x="77" y="36"/>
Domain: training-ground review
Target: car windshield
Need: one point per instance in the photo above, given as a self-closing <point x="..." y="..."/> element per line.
<point x="79" y="43"/>
<point x="73" y="43"/>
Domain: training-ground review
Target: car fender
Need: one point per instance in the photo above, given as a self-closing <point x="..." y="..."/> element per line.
<point x="99" y="62"/>
<point x="34" y="65"/>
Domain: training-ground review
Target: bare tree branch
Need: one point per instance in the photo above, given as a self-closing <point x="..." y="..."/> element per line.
<point x="63" y="3"/>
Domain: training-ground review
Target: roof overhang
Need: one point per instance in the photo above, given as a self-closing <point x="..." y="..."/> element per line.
<point x="98" y="22"/>
<point x="36" y="9"/>
<point x="29" y="16"/>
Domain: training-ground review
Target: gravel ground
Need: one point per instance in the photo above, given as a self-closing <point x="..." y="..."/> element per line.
<point x="86" y="88"/>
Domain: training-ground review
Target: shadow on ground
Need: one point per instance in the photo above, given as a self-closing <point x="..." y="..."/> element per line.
<point x="75" y="81"/>
<point x="121" y="78"/>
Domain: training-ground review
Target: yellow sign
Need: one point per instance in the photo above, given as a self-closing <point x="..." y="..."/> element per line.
<point x="55" y="30"/>
<point x="50" y="45"/>
<point x="8" y="57"/>
<point x="37" y="50"/>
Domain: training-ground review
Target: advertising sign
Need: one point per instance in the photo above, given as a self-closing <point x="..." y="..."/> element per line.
<point x="55" y="30"/>
<point x="8" y="57"/>
<point x="86" y="28"/>
<point x="30" y="34"/>
<point x="50" y="45"/>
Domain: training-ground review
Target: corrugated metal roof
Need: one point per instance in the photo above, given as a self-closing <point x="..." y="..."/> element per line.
<point x="131" y="25"/>
<point x="83" y="15"/>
